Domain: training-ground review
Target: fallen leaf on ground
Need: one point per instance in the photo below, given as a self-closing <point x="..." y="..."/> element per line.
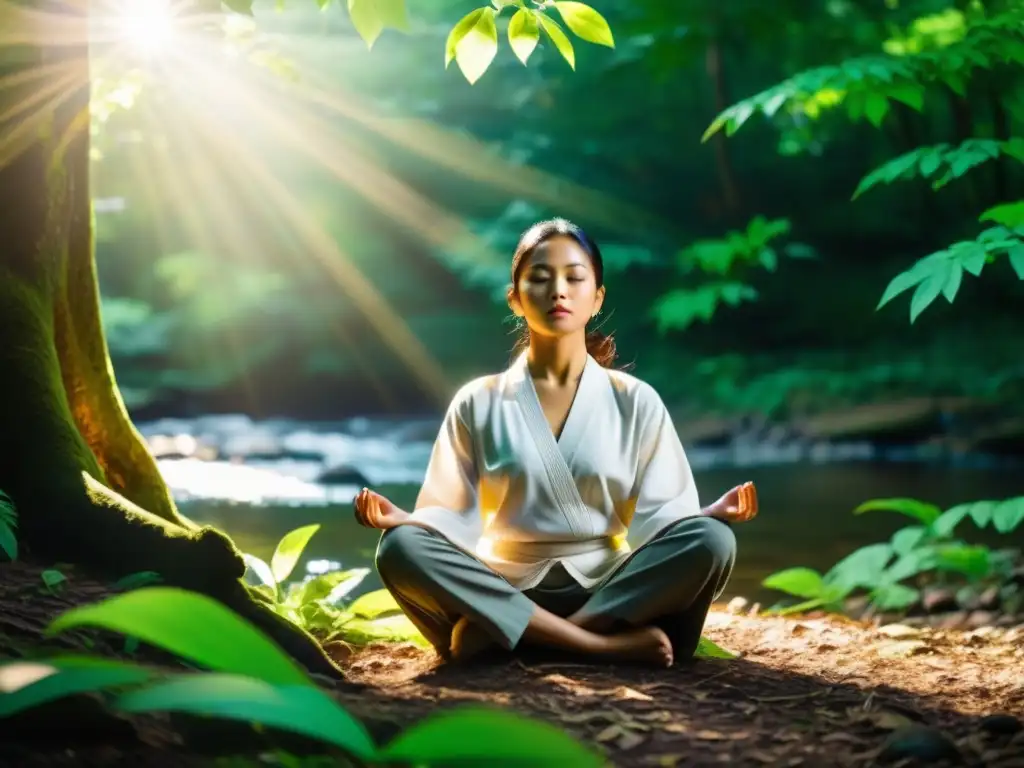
<point x="882" y="719"/>
<point x="624" y="738"/>
<point x="847" y="738"/>
<point x="902" y="648"/>
<point x="794" y="697"/>
<point x="900" y="631"/>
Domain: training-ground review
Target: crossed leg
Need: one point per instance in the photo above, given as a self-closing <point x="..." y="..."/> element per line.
<point x="652" y="610"/>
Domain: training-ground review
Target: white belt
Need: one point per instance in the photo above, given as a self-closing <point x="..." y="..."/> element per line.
<point x="536" y="551"/>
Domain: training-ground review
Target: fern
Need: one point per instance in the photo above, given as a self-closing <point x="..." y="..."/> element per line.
<point x="941" y="273"/>
<point x="8" y="525"/>
<point x="942" y="162"/>
<point x="867" y="85"/>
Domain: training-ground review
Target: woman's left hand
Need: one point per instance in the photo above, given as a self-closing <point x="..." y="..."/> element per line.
<point x="737" y="505"/>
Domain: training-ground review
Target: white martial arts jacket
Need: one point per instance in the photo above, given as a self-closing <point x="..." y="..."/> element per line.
<point x="500" y="486"/>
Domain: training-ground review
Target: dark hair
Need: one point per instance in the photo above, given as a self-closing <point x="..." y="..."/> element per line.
<point x="600" y="346"/>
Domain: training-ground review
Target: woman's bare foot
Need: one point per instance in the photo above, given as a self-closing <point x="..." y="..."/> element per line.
<point x="469" y="640"/>
<point x="649" y="645"/>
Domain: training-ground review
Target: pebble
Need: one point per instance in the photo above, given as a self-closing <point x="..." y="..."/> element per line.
<point x="918" y="742"/>
<point x="1001" y="725"/>
<point x="938" y="601"/>
<point x="737" y="605"/>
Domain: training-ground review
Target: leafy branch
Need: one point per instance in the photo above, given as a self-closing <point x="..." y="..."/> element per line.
<point x="941" y="273"/>
<point x="473" y="42"/>
<point x="725" y="259"/>
<point x="944" y="161"/>
<point x="866" y="86"/>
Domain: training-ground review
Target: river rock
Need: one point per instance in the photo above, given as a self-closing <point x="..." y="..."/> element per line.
<point x="938" y="600"/>
<point x="978" y="619"/>
<point x="737" y="605"/>
<point x="952" y="620"/>
<point x="918" y="742"/>
<point x="989" y="600"/>
<point x="1001" y="725"/>
<point x="1018" y="575"/>
<point x="856" y="607"/>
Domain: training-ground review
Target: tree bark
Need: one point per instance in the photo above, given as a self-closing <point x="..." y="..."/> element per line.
<point x="723" y="161"/>
<point x="86" y="488"/>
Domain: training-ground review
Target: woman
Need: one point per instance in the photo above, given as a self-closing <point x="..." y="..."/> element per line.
<point x="558" y="507"/>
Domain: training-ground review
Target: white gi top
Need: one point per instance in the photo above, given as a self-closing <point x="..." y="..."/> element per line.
<point x="501" y="487"/>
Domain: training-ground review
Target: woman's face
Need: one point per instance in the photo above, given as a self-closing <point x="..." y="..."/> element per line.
<point x="556" y="292"/>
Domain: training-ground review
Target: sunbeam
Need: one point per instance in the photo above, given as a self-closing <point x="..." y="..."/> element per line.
<point x="213" y="117"/>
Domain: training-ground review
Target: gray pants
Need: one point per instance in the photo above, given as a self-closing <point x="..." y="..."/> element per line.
<point x="669" y="582"/>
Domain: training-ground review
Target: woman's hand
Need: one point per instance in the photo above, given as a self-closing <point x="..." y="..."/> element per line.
<point x="736" y="506"/>
<point x="375" y="511"/>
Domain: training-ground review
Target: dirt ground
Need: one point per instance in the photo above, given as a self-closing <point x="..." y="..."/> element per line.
<point x="804" y="692"/>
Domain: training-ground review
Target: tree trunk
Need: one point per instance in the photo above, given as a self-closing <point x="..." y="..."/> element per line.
<point x="86" y="488"/>
<point x="723" y="161"/>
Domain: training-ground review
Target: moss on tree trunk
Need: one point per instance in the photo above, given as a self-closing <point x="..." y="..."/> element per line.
<point x="86" y="487"/>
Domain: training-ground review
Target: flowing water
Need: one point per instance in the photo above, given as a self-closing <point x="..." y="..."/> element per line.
<point x="266" y="480"/>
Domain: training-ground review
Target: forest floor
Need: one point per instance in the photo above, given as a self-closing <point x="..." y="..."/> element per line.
<point x="804" y="691"/>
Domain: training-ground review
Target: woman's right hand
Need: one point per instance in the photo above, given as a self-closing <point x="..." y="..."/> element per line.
<point x="375" y="511"/>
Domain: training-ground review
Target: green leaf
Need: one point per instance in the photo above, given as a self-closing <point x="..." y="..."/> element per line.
<point x="193" y="626"/>
<point x="323" y="586"/>
<point x="301" y="709"/>
<point x="861" y="568"/>
<point x="523" y="34"/>
<point x="947" y="522"/>
<point x="8" y="525"/>
<point x="910" y="564"/>
<point x="243" y="7"/>
<point x="558" y="38"/>
<point x="981" y="512"/>
<point x="905" y="539"/>
<point x="458" y="32"/>
<point x="919" y="510"/>
<point x="972" y="257"/>
<point x="372" y="17"/>
<point x="769" y="259"/>
<point x="261" y="569"/>
<point x="707" y="649"/>
<point x="396" y="628"/>
<point x="289" y="550"/>
<point x="28" y="684"/>
<point x="876" y="107"/>
<point x="586" y="23"/>
<point x="911" y="94"/>
<point x="1010" y="215"/>
<point x="902" y="282"/>
<point x="803" y="607"/>
<point x="136" y="580"/>
<point x="482" y="736"/>
<point x="477" y="46"/>
<point x="971" y="561"/>
<point x="1008" y="515"/>
<point x="52" y="578"/>
<point x="375" y="604"/>
<point x="800" y="582"/>
<point x="1016" y="256"/>
<point x="952" y="284"/>
<point x="928" y="291"/>
<point x="894" y="597"/>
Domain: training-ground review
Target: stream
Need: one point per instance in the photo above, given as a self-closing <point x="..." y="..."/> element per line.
<point x="259" y="480"/>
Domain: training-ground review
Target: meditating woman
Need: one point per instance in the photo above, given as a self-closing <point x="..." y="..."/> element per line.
<point x="558" y="507"/>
